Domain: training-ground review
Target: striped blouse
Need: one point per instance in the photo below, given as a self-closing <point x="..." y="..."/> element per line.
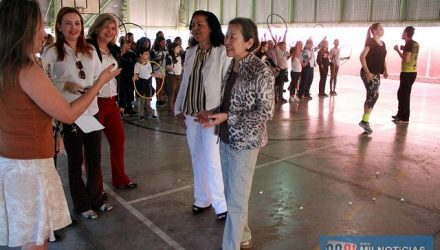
<point x="195" y="100"/>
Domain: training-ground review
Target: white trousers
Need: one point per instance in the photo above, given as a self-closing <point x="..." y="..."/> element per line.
<point x="205" y="157"/>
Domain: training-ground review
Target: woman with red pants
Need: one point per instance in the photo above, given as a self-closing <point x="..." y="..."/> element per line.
<point x="102" y="35"/>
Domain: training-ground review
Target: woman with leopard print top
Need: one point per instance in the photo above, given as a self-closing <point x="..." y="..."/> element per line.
<point x="247" y="104"/>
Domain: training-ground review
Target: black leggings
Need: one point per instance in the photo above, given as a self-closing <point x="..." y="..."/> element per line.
<point x="294" y="76"/>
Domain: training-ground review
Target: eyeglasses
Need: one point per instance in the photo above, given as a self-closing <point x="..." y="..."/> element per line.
<point x="79" y="66"/>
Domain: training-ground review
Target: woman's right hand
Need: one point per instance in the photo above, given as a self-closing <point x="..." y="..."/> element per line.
<point x="107" y="74"/>
<point x="369" y="76"/>
<point x="181" y="118"/>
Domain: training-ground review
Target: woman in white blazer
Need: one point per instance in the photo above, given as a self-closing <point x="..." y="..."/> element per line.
<point x="206" y="64"/>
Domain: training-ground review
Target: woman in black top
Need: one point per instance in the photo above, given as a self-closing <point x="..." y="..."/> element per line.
<point x="373" y="64"/>
<point x="323" y="61"/>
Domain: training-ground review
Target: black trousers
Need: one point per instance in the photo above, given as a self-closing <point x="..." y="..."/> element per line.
<point x="306" y="81"/>
<point x="323" y="72"/>
<point x="404" y="94"/>
<point x="78" y="145"/>
<point x="126" y="91"/>
<point x="279" y="84"/>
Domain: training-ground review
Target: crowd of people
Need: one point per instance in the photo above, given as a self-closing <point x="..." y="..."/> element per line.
<point x="222" y="90"/>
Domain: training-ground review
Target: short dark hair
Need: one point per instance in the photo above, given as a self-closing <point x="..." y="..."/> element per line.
<point x="409" y="30"/>
<point x="140" y="43"/>
<point x="142" y="50"/>
<point x="217" y="38"/>
<point x="248" y="29"/>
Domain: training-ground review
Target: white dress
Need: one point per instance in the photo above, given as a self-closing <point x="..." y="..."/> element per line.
<point x="32" y="201"/>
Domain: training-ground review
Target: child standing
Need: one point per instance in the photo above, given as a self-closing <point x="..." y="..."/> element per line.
<point x="144" y="88"/>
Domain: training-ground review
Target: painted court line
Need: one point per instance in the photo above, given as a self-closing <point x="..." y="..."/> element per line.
<point x="165" y="237"/>
<point x="293" y="156"/>
<point x="159" y="194"/>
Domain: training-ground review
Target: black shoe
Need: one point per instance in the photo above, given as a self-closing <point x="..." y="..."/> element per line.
<point x="283" y="100"/>
<point x="199" y="210"/>
<point x="151" y="116"/>
<point x="129" y="111"/>
<point x="400" y="121"/>
<point x="131" y="185"/>
<point x="394" y="116"/>
<point x="222" y="216"/>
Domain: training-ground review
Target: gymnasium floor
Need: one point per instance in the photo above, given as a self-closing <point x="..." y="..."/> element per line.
<point x="319" y="175"/>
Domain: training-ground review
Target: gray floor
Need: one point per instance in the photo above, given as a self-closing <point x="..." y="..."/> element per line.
<point x="319" y="175"/>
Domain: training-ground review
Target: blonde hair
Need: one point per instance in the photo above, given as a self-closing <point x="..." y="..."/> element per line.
<point x="99" y="24"/>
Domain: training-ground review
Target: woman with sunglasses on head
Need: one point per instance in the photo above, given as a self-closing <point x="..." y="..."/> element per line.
<point x="75" y="66"/>
<point x="32" y="201"/>
<point x="102" y="35"/>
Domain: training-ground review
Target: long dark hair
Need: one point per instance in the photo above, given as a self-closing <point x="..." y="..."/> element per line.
<point x="217" y="38"/>
<point x="81" y="45"/>
<point x="156" y="45"/>
<point x="19" y="22"/>
<point x="171" y="50"/>
<point x="374" y="26"/>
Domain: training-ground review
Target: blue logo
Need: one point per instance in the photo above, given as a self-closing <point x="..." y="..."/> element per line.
<point x="376" y="242"/>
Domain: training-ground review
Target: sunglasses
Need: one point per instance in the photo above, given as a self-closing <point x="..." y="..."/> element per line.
<point x="79" y="66"/>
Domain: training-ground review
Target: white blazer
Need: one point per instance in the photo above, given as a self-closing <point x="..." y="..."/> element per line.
<point x="213" y="72"/>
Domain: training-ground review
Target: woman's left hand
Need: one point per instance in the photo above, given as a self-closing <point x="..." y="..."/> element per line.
<point x="59" y="145"/>
<point x="215" y="120"/>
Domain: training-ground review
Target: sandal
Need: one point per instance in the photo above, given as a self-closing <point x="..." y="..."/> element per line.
<point x="90" y="214"/>
<point x="246" y="244"/>
<point x="199" y="210"/>
<point x="106" y="207"/>
<point x="222" y="216"/>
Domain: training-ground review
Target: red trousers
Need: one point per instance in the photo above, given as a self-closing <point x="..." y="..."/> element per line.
<point x="109" y="116"/>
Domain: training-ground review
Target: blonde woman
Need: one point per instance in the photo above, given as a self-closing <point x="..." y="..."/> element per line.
<point x="102" y="35"/>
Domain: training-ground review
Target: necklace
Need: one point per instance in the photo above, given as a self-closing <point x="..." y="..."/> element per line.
<point x="106" y="50"/>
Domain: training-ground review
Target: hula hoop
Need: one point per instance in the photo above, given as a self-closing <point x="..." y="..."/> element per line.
<point x="315" y="27"/>
<point x="124" y="25"/>
<point x="157" y="90"/>
<point x="345" y="58"/>
<point x="267" y="22"/>
<point x="137" y="25"/>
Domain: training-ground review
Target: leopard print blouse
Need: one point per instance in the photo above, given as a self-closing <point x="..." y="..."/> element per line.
<point x="251" y="103"/>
